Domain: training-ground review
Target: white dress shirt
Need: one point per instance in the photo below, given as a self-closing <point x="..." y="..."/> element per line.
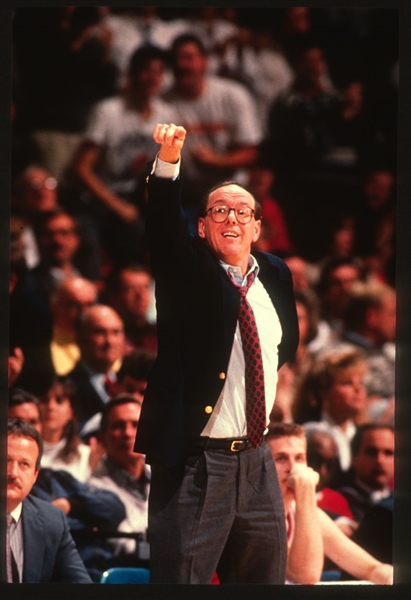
<point x="228" y="418"/>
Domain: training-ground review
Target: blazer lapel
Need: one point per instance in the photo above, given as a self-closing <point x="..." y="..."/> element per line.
<point x="34" y="543"/>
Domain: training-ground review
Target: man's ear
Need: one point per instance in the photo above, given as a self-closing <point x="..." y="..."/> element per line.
<point x="257" y="230"/>
<point x="36" y="474"/>
<point x="201" y="227"/>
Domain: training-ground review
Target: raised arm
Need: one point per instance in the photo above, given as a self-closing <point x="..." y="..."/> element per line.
<point x="305" y="553"/>
<point x="171" y="139"/>
<point x="84" y="167"/>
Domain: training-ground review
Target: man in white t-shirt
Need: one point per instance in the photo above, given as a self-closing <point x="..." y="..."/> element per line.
<point x="116" y="147"/>
<point x="219" y="115"/>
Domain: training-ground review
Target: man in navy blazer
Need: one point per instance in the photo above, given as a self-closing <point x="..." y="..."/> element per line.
<point x="215" y="502"/>
<point x="41" y="547"/>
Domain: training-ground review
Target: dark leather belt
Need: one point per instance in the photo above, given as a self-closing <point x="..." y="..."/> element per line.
<point x="227" y="444"/>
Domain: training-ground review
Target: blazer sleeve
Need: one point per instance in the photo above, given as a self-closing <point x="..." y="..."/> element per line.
<point x="68" y="566"/>
<point x="50" y="554"/>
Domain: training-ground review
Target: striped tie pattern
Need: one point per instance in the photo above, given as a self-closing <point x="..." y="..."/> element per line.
<point x="8" y="550"/>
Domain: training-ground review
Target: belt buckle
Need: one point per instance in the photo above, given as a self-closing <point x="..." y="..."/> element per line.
<point x="233" y="445"/>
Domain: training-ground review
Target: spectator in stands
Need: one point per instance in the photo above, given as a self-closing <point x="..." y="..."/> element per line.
<point x="370" y="324"/>
<point x="253" y="58"/>
<point x="333" y="392"/>
<point x="63" y="449"/>
<point x="218" y="142"/>
<point x="101" y="341"/>
<point x="116" y="147"/>
<point x="132" y="380"/>
<point x="341" y="239"/>
<point x="372" y="468"/>
<point x="300" y="119"/>
<point x="370" y="489"/>
<point x="336" y="280"/>
<point x="376" y="220"/>
<point x="41" y="548"/>
<point x="356" y="134"/>
<point x="58" y="240"/>
<point x="23" y="405"/>
<point x="133" y="27"/>
<point x="124" y="472"/>
<point x="300" y="138"/>
<point x="213" y="31"/>
<point x="64" y="68"/>
<point x="34" y="195"/>
<point x="303" y="273"/>
<point x="68" y="300"/>
<point x="129" y="290"/>
<point x="311" y="533"/>
<point x="133" y="373"/>
<point x="89" y="512"/>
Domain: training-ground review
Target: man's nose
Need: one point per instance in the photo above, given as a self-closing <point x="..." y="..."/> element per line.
<point x="12" y="469"/>
<point x="130" y="431"/>
<point x="289" y="464"/>
<point x="233" y="218"/>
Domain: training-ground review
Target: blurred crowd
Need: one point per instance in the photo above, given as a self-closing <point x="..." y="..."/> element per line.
<point x="297" y="104"/>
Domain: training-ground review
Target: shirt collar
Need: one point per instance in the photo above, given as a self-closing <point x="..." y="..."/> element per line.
<point x="16" y="513"/>
<point x="375" y="495"/>
<point x="235" y="272"/>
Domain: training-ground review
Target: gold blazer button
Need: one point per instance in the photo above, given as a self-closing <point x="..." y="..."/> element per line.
<point x="208" y="409"/>
<point x="221" y="375"/>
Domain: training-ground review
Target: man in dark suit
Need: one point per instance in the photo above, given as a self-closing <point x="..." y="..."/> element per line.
<point x="101" y="342"/>
<point x="215" y="502"/>
<point x="370" y="478"/>
<point x="39" y="547"/>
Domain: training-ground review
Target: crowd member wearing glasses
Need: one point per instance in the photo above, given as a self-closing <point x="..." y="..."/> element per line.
<point x="34" y="195"/>
<point x="215" y="504"/>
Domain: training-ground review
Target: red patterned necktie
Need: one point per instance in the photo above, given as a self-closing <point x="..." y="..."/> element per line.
<point x="109" y="386"/>
<point x="254" y="373"/>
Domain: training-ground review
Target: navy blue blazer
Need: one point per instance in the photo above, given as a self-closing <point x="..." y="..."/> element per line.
<point x="50" y="554"/>
<point x="197" y="313"/>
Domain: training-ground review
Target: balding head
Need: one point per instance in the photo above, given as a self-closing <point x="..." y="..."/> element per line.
<point x="73" y="295"/>
<point x="101" y="337"/>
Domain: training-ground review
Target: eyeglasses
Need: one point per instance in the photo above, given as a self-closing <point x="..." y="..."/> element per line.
<point x="219" y="213"/>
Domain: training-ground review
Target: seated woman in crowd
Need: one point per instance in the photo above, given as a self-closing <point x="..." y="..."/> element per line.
<point x="63" y="448"/>
<point x="333" y="393"/>
<point x="312" y="535"/>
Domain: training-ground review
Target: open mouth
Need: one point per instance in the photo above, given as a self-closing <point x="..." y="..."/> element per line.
<point x="230" y="234"/>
